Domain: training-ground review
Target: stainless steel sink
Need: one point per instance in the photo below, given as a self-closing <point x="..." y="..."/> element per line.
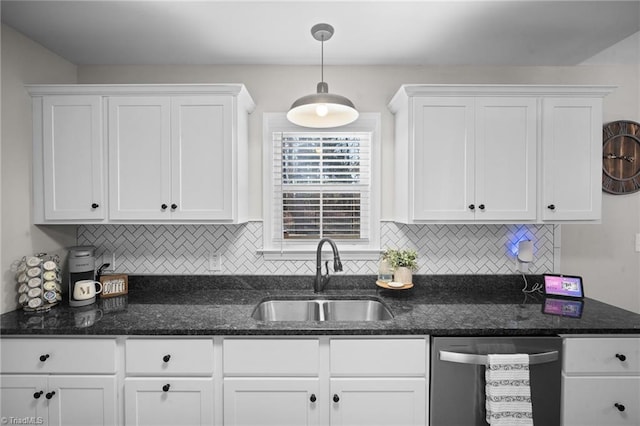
<point x="322" y="309"/>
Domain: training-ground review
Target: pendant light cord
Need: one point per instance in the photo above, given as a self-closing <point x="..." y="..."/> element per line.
<point x="322" y="59"/>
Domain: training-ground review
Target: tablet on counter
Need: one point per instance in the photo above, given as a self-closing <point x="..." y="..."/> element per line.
<point x="563" y="286"/>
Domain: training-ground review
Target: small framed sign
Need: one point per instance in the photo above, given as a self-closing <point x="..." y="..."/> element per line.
<point x="114" y="285"/>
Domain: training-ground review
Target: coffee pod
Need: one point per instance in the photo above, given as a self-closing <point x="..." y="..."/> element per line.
<point x="49" y="285"/>
<point x="50" y="265"/>
<point x="23" y="288"/>
<point x="49" y="276"/>
<point x="33" y="261"/>
<point x="34" y="282"/>
<point x="50" y="296"/>
<point x="23" y="299"/>
<point x="33" y="272"/>
<point x="35" y="303"/>
<point x="22" y="278"/>
<point x="34" y="292"/>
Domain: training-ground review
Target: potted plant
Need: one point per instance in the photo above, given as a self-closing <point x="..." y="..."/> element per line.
<point x="403" y="263"/>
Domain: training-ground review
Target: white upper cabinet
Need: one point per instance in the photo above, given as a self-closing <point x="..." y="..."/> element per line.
<point x="497" y="153"/>
<point x="571" y="159"/>
<point x="174" y="153"/>
<point x="69" y="168"/>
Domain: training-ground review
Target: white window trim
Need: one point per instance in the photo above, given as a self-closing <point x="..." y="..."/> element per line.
<point x="277" y="122"/>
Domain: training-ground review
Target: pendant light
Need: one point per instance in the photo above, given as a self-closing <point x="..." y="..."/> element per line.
<point x="322" y="109"/>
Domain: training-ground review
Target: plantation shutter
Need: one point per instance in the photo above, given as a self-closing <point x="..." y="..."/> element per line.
<point x="321" y="186"/>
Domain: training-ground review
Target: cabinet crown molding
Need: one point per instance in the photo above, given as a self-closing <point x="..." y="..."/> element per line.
<point x="237" y="90"/>
<point x="502" y="90"/>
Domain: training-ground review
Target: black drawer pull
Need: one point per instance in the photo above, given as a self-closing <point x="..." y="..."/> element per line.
<point x="472" y="207"/>
<point x="620" y="407"/>
<point x="166" y="358"/>
<point x="38" y="394"/>
<point x="95" y="205"/>
<point x="336" y="398"/>
<point x="174" y="206"/>
<point x="163" y="206"/>
<point x="166" y="387"/>
<point x="50" y="395"/>
<point x="551" y="207"/>
<point x="481" y="206"/>
<point x="313" y="397"/>
<point x="621" y="357"/>
<point x="44" y="357"/>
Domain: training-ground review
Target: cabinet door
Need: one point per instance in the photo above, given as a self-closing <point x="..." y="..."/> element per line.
<point x="139" y="158"/>
<point x="443" y="159"/>
<point x="168" y="401"/>
<point x="271" y="401"/>
<point x="378" y="402"/>
<point x="23" y="396"/>
<point x="73" y="166"/>
<point x="572" y="159"/>
<point x="505" y="158"/>
<point x="591" y="401"/>
<point x="82" y="400"/>
<point x="202" y="158"/>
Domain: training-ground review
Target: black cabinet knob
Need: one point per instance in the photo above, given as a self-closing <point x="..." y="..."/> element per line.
<point x="166" y="387"/>
<point x="166" y="358"/>
<point x="551" y="207"/>
<point x="163" y="206"/>
<point x="50" y="395"/>
<point x="481" y="206"/>
<point x="336" y="398"/>
<point x="44" y="357"/>
<point x="174" y="206"/>
<point x="38" y="394"/>
<point x="95" y="205"/>
<point x="472" y="207"/>
<point x="621" y="357"/>
<point x="313" y="397"/>
<point x="620" y="407"/>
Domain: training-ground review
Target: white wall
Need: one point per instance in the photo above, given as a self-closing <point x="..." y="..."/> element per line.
<point x="23" y="62"/>
<point x="603" y="254"/>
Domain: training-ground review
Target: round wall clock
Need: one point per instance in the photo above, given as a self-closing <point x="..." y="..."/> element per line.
<point x="621" y="157"/>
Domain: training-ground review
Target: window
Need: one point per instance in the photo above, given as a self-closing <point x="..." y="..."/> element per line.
<point x="321" y="183"/>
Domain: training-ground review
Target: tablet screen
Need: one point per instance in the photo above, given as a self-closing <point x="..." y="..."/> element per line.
<point x="563" y="285"/>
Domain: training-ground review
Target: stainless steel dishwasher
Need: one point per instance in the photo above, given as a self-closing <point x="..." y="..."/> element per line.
<point x="457" y="393"/>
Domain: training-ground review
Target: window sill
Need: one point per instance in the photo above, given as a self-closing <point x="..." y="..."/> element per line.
<point x="302" y="254"/>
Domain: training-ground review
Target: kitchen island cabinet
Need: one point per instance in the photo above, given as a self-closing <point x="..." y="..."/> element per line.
<point x="174" y="153"/>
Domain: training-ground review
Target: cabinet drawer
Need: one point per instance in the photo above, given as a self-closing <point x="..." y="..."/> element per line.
<point x="271" y="357"/>
<point x="169" y="356"/>
<point x="34" y="355"/>
<point x="378" y="357"/>
<point x="598" y="355"/>
<point x="591" y="401"/>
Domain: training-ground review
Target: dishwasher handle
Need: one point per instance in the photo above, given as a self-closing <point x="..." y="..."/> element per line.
<point x="476" y="359"/>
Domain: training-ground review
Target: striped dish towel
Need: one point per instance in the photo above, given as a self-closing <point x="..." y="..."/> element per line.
<point x="508" y="395"/>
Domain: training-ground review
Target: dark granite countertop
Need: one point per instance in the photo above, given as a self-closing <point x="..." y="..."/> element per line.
<point x="438" y="305"/>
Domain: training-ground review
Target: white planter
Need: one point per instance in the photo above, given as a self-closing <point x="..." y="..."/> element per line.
<point x="402" y="275"/>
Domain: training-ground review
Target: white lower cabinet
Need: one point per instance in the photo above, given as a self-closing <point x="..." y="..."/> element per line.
<point x="168" y="401"/>
<point x="378" y="402"/>
<point x="169" y="382"/>
<point x="325" y="381"/>
<point x="51" y="381"/>
<point x="601" y="381"/>
<point x="277" y="401"/>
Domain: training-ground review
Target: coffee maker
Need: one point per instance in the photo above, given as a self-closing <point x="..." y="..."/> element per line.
<point x="82" y="266"/>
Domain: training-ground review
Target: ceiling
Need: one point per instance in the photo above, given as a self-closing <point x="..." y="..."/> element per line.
<point x="417" y="32"/>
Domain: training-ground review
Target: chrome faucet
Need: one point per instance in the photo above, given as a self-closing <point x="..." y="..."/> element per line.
<point x="321" y="281"/>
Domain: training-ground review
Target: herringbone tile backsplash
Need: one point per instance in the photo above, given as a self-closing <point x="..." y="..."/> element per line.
<point x="442" y="249"/>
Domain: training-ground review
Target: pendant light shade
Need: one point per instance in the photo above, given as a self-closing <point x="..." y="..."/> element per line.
<point x="322" y="109"/>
